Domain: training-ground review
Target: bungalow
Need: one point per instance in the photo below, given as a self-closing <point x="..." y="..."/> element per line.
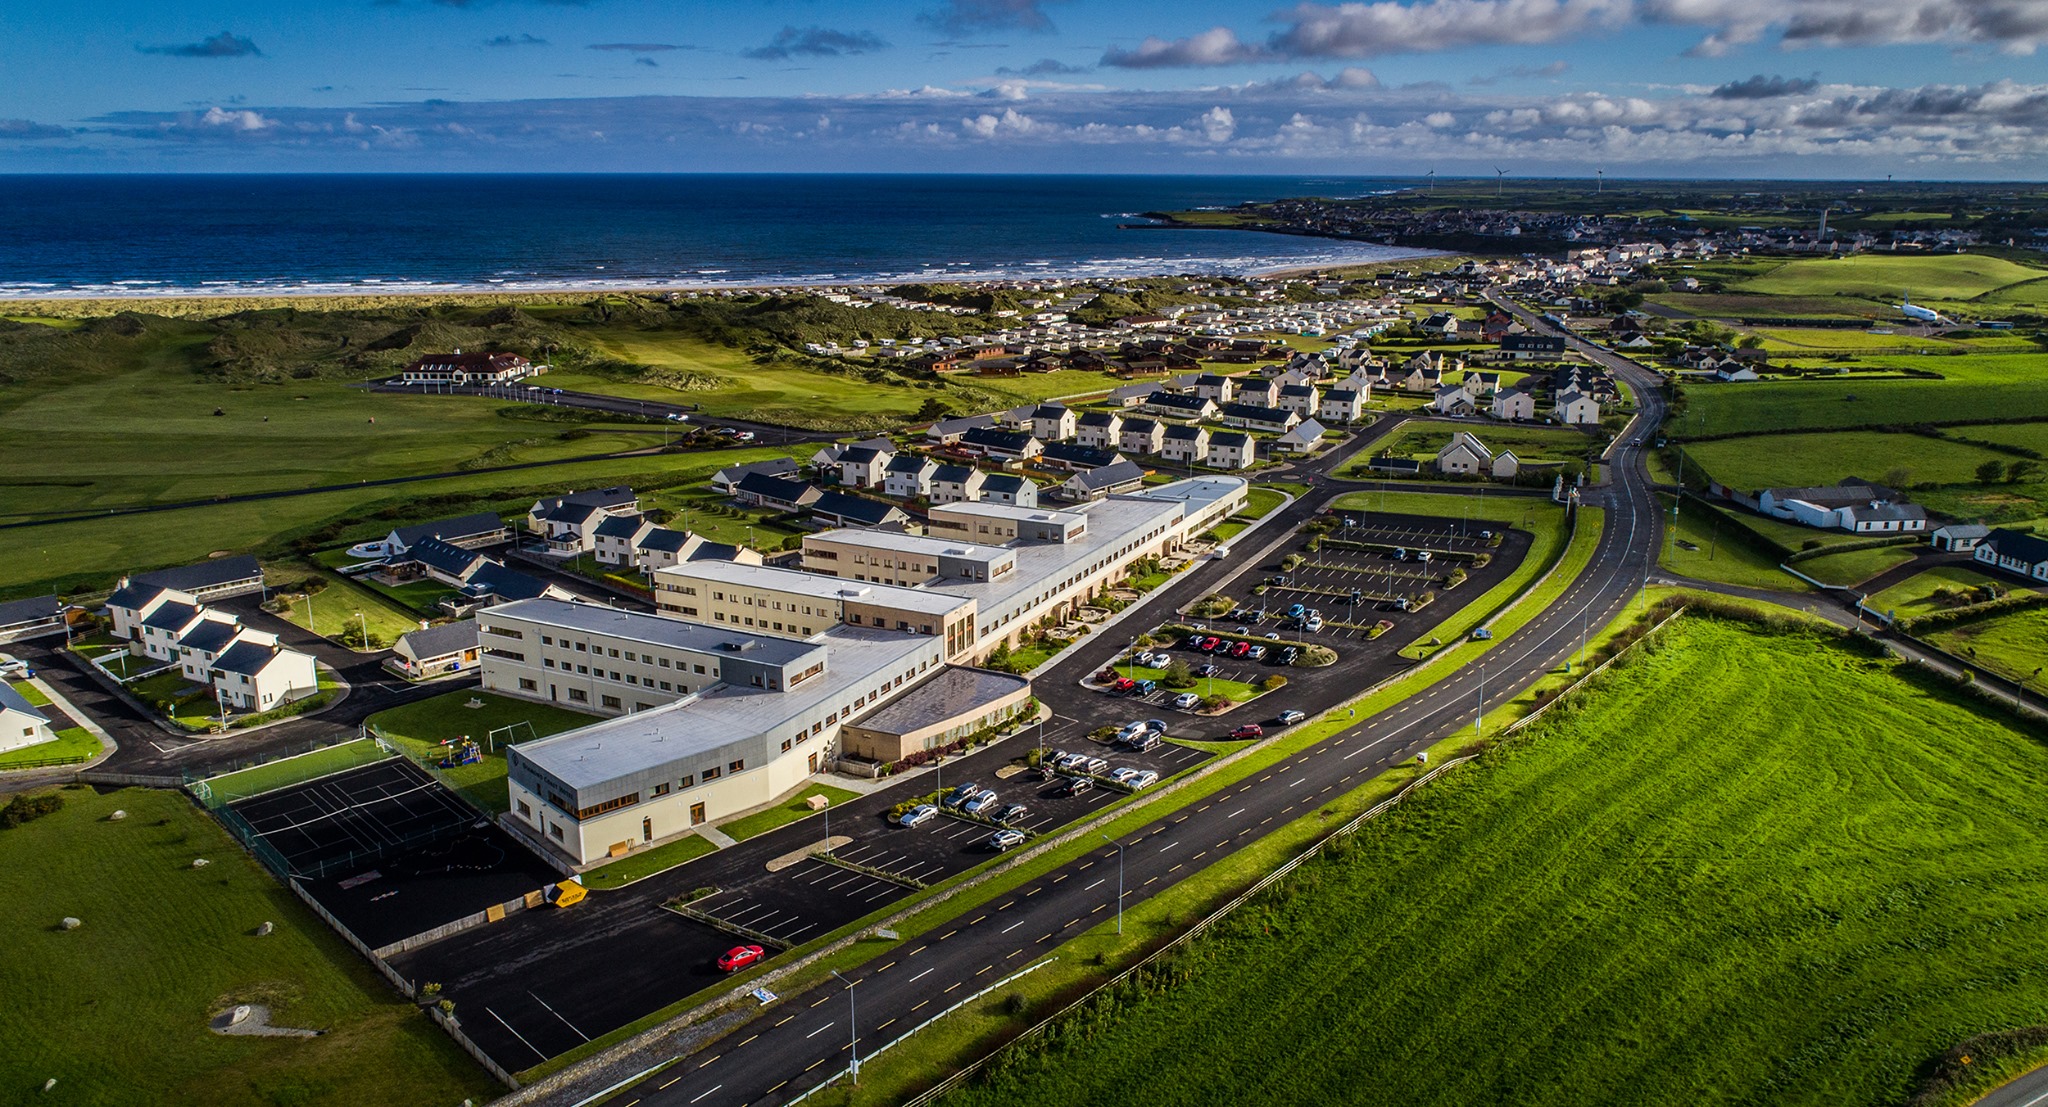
<point x="569" y="523"/>
<point x="954" y="484"/>
<point x="1510" y="404"/>
<point x="1465" y="455"/>
<point x="1109" y="480"/>
<point x="253" y="676"/>
<point x="1853" y="504"/>
<point x="2013" y="551"/>
<point x="463" y="369"/>
<point x="1009" y="488"/>
<point x="863" y="466"/>
<point x="775" y="493"/>
<point x="1304" y="439"/>
<point x="1732" y="370"/>
<point x="1451" y="400"/>
<point x="436" y="651"/>
<point x="1075" y="459"/>
<point x="844" y="509"/>
<point x="1216" y="386"/>
<point x="1177" y="406"/>
<point x="1131" y="395"/>
<point x="1301" y="399"/>
<point x="492" y="583"/>
<point x="23" y="619"/>
<point x="945" y="432"/>
<point x="1253" y="417"/>
<point x="1883" y="518"/>
<point x="727" y="479"/>
<point x="1141" y="436"/>
<point x="909" y="476"/>
<point x="1099" y="429"/>
<point x="1395" y="466"/>
<point x="1005" y="445"/>
<point x="1532" y="347"/>
<point x="1185" y="444"/>
<point x="1052" y="423"/>
<point x="208" y="580"/>
<point x="1960" y="537"/>
<point x="1341" y="405"/>
<point x="1575" y="408"/>
<point x="1442" y="325"/>
<point x="448" y="563"/>
<point x="1231" y="450"/>
<point x="21" y="722"/>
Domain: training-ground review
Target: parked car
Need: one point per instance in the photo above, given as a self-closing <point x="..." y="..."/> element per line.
<point x="1297" y="611"/>
<point x="1312" y="624"/>
<point x="1289" y="717"/>
<point x="1076" y="785"/>
<point x="1481" y="635"/>
<point x="739" y="957"/>
<point x="1094" y="765"/>
<point x="1272" y="637"/>
<point x="1400" y="554"/>
<point x="1422" y="555"/>
<point x="981" y="804"/>
<point x="918" y="816"/>
<point x="1240" y="649"/>
<point x="1123" y="684"/>
<point x="1205" y="669"/>
<point x="1141" y="778"/>
<point x="1012" y="813"/>
<point x="960" y="795"/>
<point x="1147" y="744"/>
<point x="1249" y="730"/>
<point x="1003" y="840"/>
<point x="1287" y="656"/>
<point x="1187" y="701"/>
<point x="1258" y="653"/>
<point x="1145" y="688"/>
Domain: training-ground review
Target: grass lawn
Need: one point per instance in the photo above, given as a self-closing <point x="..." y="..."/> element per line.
<point x="1236" y="691"/>
<point x="116" y="1010"/>
<point x="30" y="692"/>
<point x="2009" y="645"/>
<point x="1533" y="445"/>
<point x="288" y="771"/>
<point x="1884" y="277"/>
<point x="1710" y="544"/>
<point x="782" y="814"/>
<point x="420" y="727"/>
<point x="645" y="863"/>
<point x="704" y="512"/>
<point x="422" y="597"/>
<point x="1818" y="459"/>
<point x="335" y="608"/>
<point x="1722" y="891"/>
<point x="727" y="382"/>
<point x="1853" y="567"/>
<point x="1975" y="386"/>
<point x="73" y="744"/>
<point x="1915" y="595"/>
<point x="125" y="665"/>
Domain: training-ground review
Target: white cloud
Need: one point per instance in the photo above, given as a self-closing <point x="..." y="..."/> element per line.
<point x="235" y="120"/>
<point x="1215" y="46"/>
<point x="1217" y="124"/>
<point x="2012" y="26"/>
<point x="1359" y="30"/>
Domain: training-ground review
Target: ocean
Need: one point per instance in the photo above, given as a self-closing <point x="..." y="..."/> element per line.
<point x="77" y="236"/>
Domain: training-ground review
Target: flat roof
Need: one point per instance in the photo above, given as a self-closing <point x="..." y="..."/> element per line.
<point x="1112" y="522"/>
<point x="811" y="584"/>
<point x="723" y="714"/>
<point x="657" y="630"/>
<point x="1010" y="511"/>
<point x="1195" y="493"/>
<point x="954" y="692"/>
<point x="907" y="543"/>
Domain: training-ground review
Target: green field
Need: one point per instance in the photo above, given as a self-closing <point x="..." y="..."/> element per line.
<point x="343" y="605"/>
<point x="115" y="1012"/>
<point x="2010" y="645"/>
<point x="1706" y="885"/>
<point x="1851" y="567"/>
<point x="1940" y="473"/>
<point x="1713" y="545"/>
<point x="1884" y="277"/>
<point x="786" y="812"/>
<point x="1915" y="595"/>
<point x="72" y="744"/>
<point x="1533" y="445"/>
<point x="419" y="728"/>
<point x="1974" y="386"/>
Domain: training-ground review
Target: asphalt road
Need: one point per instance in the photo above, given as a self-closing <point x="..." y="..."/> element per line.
<point x="804" y="1040"/>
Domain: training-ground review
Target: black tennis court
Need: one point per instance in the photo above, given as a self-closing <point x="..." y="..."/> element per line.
<point x="355" y="817"/>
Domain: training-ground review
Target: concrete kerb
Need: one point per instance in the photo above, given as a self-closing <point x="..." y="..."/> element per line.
<point x="108" y="745"/>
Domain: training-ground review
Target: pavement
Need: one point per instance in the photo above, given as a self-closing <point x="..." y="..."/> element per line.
<point x="2030" y="1090"/>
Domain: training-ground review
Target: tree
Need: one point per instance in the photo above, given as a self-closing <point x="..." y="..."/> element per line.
<point x="2017" y="471"/>
<point x="1990" y="471"/>
<point x="1178" y="675"/>
<point x="1898" y="476"/>
<point x="1749" y="342"/>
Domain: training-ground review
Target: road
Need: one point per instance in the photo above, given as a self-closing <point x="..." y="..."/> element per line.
<point x="805" y="1039"/>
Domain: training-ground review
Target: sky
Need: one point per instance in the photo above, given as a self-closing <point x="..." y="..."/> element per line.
<point x="1920" y="89"/>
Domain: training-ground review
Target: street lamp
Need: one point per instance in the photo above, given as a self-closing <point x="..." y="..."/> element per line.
<point x="1119" y="880"/>
<point x="828" y="824"/>
<point x="360" y="618"/>
<point x="853" y="1025"/>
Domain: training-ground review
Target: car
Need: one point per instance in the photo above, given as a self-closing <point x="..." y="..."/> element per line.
<point x="1422" y="555"/>
<point x="16" y="669"/>
<point x="1076" y="785"/>
<point x="1487" y="535"/>
<point x="1187" y="701"/>
<point x="1481" y="635"/>
<point x="1124" y="774"/>
<point x="1145" y="688"/>
<point x="1123" y="684"/>
<point x="1012" y="813"/>
<point x="1249" y="730"/>
<point x="743" y="436"/>
<point x="1204" y="670"/>
<point x="1289" y="717"/>
<point x="1297" y="611"/>
<point x="1239" y="615"/>
<point x="1258" y="653"/>
<point x="739" y="957"/>
<point x="1215" y="644"/>
<point x="1272" y="636"/>
<point x="1003" y="840"/>
<point x="1287" y="656"/>
<point x="960" y="796"/>
<point x="1258" y="616"/>
<point x="1241" y="649"/>
<point x="1146" y="744"/>
<point x="918" y="816"/>
<point x="981" y="804"/>
<point x="1400" y="554"/>
<point x="1240" y="630"/>
<point x="1070" y="760"/>
<point x="1312" y="624"/>
<point x="1094" y="766"/>
<point x="1141" y="778"/>
<point x="1131" y="730"/>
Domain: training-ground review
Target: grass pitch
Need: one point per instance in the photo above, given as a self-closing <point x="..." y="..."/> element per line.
<point x="1708" y="884"/>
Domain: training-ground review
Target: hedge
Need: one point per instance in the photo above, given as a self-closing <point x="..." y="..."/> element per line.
<point x="1940" y="619"/>
<point x="1857" y="544"/>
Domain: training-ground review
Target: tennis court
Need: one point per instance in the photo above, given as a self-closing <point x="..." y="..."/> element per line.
<point x="354" y="817"/>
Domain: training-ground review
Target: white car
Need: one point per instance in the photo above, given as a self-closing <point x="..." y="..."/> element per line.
<point x="1140" y="778"/>
<point x="1187" y="701"/>
<point x="980" y="803"/>
<point x="918" y="816"/>
<point x="1003" y="840"/>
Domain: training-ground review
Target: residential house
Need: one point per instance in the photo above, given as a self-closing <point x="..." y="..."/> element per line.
<point x="1109" y="480"/>
<point x="945" y="432"/>
<point x="2014" y="551"/>
<point x="662" y="548"/>
<point x="207" y="581"/>
<point x="1883" y="518"/>
<point x="1421" y="373"/>
<point x="1141" y="436"/>
<point x="1003" y="445"/>
<point x="617" y="539"/>
<point x="436" y="651"/>
<point x="1304" y="439"/>
<point x="165" y="626"/>
<point x="1478" y="385"/>
<point x="1099" y="430"/>
<point x="954" y="484"/>
<point x="1010" y="489"/>
<point x="1511" y="404"/>
<point x="1575" y="408"/>
<point x="1132" y="395"/>
<point x="24" y="619"/>
<point x="1451" y="400"/>
<point x="1186" y="444"/>
<point x="844" y="509"/>
<point x="726" y="480"/>
<point x="1251" y="417"/>
<point x="1440" y="325"/>
<point x="1231" y="450"/>
<point x="1341" y="405"/>
<point x="1301" y="399"/>
<point x="1257" y="390"/>
<point x="775" y="493"/>
<point x="1823" y="506"/>
<point x="1075" y="459"/>
<point x="863" y="466"/>
<point x="483" y="528"/>
<point x="1532" y="347"/>
<point x="252" y="676"/>
<point x="1960" y="537"/>
<point x="1216" y="386"/>
<point x="1052" y="423"/>
<point x="569" y="523"/>
<point x="1466" y="455"/>
<point x="1176" y="406"/>
<point x="21" y="722"/>
<point x="909" y="476"/>
<point x="205" y="643"/>
<point x="1395" y="466"/>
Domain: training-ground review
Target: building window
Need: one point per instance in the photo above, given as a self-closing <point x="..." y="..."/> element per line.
<point x="738" y="766"/>
<point x="547" y="640"/>
<point x="786" y="743"/>
<point x="664" y="686"/>
<point x="627" y="800"/>
<point x="556" y="830"/>
<point x="525" y="810"/>
<point x="710" y="775"/>
<point x="611" y="702"/>
<point x="583" y="670"/>
<point x="577" y="695"/>
<point x="661" y="789"/>
<point x="526" y="685"/>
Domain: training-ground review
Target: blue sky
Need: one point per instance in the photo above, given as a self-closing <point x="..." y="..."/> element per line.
<point x="1919" y="88"/>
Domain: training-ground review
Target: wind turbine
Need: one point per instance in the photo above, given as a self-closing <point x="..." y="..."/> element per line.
<point x="1432" y="180"/>
<point x="1600" y="176"/>
<point x="1499" y="175"/>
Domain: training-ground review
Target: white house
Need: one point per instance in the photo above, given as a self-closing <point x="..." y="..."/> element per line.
<point x="1185" y="444"/>
<point x="863" y="466"/>
<point x="1141" y="436"/>
<point x="1100" y="430"/>
<point x="1009" y="488"/>
<point x="21" y="722"/>
<point x="1342" y="405"/>
<point x="1304" y="439"/>
<point x="1466" y="455"/>
<point x="1231" y="450"/>
<point x="1959" y="537"/>
<point x="1510" y="404"/>
<point x="2016" y="552"/>
<point x="569" y="522"/>
<point x="1301" y="399"/>
<point x="909" y="476"/>
<point x="617" y="539"/>
<point x="434" y="651"/>
<point x="1451" y="400"/>
<point x="1575" y="408"/>
<point x="954" y="484"/>
<point x="256" y="677"/>
<point x="1052" y="423"/>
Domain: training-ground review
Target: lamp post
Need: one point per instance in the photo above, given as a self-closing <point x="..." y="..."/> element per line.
<point x="853" y="1026"/>
<point x="828" y="824"/>
<point x="365" y="623"/>
<point x="1119" y="880"/>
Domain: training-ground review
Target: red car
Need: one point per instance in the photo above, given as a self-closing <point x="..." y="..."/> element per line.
<point x="739" y="957"/>
<point x="1240" y="649"/>
<point x="1249" y="730"/>
<point x="1212" y="645"/>
<point x="1124" y="684"/>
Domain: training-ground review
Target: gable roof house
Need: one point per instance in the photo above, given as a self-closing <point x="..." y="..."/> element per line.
<point x="253" y="676"/>
<point x="1477" y="384"/>
<point x="1253" y="417"/>
<point x="1256" y="390"/>
<point x="436" y="651"/>
<point x="1074" y="458"/>
<point x="1576" y="408"/>
<point x="1532" y="347"/>
<point x="1959" y="537"/>
<point x="21" y="722"/>
<point x="1853" y="504"/>
<point x="2016" y="552"/>
<point x="1109" y="480"/>
<point x="459" y="368"/>
<point x="725" y="480"/>
<point x="217" y="579"/>
<point x="615" y="540"/>
<point x="953" y="484"/>
<point x="1303" y="439"/>
<point x="1466" y="455"/>
<point x="483" y="528"/>
<point x="1176" y="406"/>
<point x="1216" y="386"/>
<point x="862" y="466"/>
<point x="847" y="510"/>
<point x="1513" y="403"/>
<point x="1451" y="400"/>
<point x="1184" y="443"/>
<point x="909" y="476"/>
<point x="1141" y="436"/>
<point x="1006" y="445"/>
<point x="24" y="619"/>
<point x="1443" y="324"/>
<point x="569" y="522"/>
<point x="204" y="644"/>
<point x="1301" y="399"/>
<point x="778" y="493"/>
<point x="1341" y="405"/>
<point x="1010" y="489"/>
<point x="1052" y="422"/>
<point x="1231" y="450"/>
<point x="945" y="432"/>
<point x="1099" y="429"/>
<point x="1131" y="395"/>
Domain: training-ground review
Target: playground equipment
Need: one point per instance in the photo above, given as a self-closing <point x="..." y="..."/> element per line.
<point x="467" y="753"/>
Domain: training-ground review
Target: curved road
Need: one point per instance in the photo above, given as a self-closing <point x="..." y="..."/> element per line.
<point x="803" y="1040"/>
